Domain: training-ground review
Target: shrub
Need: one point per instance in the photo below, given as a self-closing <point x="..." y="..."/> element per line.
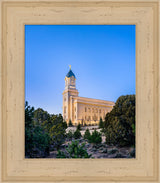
<point x="70" y="123"/>
<point x="74" y="150"/>
<point x="101" y="123"/>
<point x="95" y="137"/>
<point x="61" y="154"/>
<point x="79" y="126"/>
<point x="69" y="135"/>
<point x="87" y="134"/>
<point x="77" y="134"/>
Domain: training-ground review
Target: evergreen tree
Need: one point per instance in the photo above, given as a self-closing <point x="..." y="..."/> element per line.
<point x="87" y="134"/>
<point x="36" y="139"/>
<point x="70" y="123"/>
<point x="95" y="137"/>
<point x="42" y="130"/>
<point x="77" y="134"/>
<point x="119" y="125"/>
<point x="74" y="150"/>
<point x="101" y="123"/>
<point x="79" y="126"/>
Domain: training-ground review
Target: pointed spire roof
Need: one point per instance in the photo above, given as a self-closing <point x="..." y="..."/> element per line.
<point x="70" y="73"/>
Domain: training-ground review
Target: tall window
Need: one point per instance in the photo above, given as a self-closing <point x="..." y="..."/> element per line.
<point x="85" y="109"/>
<point x="75" y="109"/>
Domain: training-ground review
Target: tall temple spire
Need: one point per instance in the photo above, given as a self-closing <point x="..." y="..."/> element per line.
<point x="70" y="73"/>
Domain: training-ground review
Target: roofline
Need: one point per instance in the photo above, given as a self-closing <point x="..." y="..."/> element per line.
<point x="85" y="98"/>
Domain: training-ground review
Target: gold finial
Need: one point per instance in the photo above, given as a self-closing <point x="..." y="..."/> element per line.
<point x="70" y="67"/>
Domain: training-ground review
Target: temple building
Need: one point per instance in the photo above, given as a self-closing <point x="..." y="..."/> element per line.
<point x="86" y="111"/>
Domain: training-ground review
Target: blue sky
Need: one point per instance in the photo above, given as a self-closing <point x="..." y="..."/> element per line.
<point x="102" y="58"/>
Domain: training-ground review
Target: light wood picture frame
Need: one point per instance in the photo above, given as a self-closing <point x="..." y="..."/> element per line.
<point x="14" y="16"/>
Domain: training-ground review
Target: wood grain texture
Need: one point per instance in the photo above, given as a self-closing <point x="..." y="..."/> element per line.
<point x="14" y="15"/>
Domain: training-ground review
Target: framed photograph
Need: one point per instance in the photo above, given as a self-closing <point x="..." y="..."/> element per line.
<point x="68" y="125"/>
<point x="80" y="91"/>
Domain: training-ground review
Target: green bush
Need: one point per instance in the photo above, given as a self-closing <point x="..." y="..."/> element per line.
<point x="61" y="154"/>
<point x="69" y="135"/>
<point x="79" y="126"/>
<point x="101" y="123"/>
<point x="70" y="123"/>
<point x="74" y="150"/>
<point x="77" y="134"/>
<point x="95" y="137"/>
<point x="87" y="134"/>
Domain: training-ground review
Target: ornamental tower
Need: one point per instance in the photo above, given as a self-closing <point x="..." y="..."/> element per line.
<point x="69" y="92"/>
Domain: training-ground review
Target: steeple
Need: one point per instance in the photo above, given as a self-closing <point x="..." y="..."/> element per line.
<point x="70" y="80"/>
<point x="68" y="94"/>
<point x="70" y="73"/>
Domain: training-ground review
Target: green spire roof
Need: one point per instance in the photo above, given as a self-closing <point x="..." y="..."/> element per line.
<point x="70" y="74"/>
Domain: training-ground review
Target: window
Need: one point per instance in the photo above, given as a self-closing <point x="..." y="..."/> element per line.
<point x="93" y="110"/>
<point x="64" y="98"/>
<point x="96" y="110"/>
<point x="85" y="109"/>
<point x="75" y="109"/>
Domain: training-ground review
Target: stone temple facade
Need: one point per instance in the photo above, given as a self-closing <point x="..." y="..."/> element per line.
<point x="86" y="111"/>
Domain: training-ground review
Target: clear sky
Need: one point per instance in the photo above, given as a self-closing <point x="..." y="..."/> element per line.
<point x="102" y="58"/>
